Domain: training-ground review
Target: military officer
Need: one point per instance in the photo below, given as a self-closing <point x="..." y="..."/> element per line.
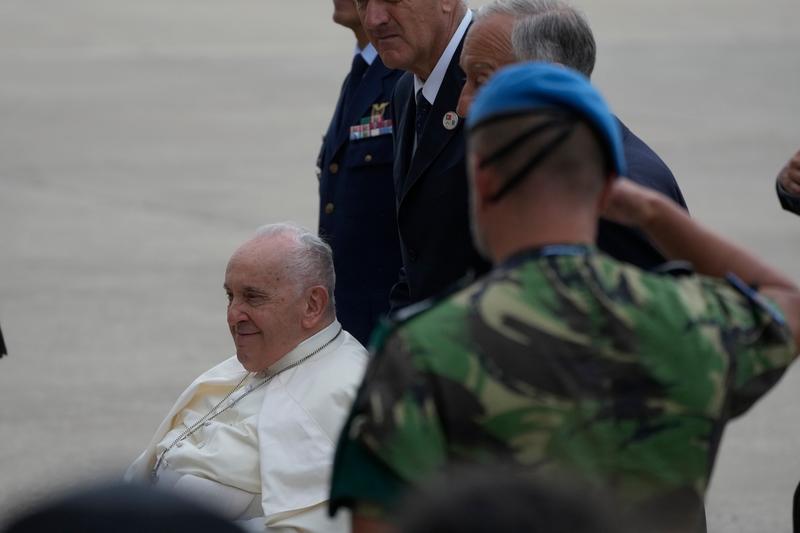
<point x="357" y="206"/>
<point x="564" y="361"/>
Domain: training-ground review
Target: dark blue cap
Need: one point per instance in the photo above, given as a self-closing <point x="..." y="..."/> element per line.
<point x="528" y="87"/>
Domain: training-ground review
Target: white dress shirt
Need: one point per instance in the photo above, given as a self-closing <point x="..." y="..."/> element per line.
<point x="267" y="459"/>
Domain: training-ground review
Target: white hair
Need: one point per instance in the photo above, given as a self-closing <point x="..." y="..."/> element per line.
<point x="310" y="260"/>
<point x="547" y="30"/>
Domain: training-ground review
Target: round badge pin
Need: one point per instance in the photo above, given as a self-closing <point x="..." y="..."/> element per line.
<point x="450" y="120"/>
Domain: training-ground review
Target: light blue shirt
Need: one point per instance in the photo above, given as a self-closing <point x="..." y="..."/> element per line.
<point x="368" y="53"/>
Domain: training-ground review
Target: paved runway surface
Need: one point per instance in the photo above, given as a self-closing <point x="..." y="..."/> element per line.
<point x="140" y="142"/>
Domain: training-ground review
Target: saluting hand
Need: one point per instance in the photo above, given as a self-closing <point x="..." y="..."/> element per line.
<point x="789" y="177"/>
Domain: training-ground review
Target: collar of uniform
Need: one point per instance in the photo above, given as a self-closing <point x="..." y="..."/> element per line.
<point x="310" y="345"/>
<point x="368" y="53"/>
<point x="430" y="87"/>
<point x="547" y="250"/>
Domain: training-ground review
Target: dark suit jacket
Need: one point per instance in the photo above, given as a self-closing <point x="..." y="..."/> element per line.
<point x="431" y="188"/>
<point x="647" y="169"/>
<point x="788" y="201"/>
<point x="357" y="206"/>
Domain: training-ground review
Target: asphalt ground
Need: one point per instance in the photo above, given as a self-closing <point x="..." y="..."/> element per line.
<point x="141" y="142"/>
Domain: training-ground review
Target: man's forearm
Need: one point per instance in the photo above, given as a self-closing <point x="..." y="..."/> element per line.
<point x="680" y="237"/>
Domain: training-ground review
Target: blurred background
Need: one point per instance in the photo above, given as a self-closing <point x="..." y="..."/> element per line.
<point x="141" y="142"/>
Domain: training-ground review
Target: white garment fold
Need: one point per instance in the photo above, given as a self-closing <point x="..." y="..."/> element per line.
<point x="301" y="415"/>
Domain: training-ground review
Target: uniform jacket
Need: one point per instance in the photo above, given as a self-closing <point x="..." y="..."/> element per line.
<point x="431" y="189"/>
<point x="565" y="364"/>
<point x="357" y="205"/>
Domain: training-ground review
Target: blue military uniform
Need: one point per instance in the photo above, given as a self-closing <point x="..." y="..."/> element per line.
<point x="357" y="201"/>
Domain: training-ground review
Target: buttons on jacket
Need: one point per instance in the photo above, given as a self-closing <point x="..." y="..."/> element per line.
<point x="329" y="207"/>
<point x="334" y="168"/>
<point x="368" y="158"/>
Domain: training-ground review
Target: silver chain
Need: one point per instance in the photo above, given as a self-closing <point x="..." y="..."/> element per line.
<point x="214" y="412"/>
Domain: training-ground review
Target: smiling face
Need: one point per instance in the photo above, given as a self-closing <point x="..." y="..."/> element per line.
<point x="486" y="49"/>
<point x="408" y="34"/>
<point x="265" y="305"/>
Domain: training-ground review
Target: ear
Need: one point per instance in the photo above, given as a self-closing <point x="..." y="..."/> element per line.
<point x="605" y="193"/>
<point x="482" y="183"/>
<point x="316" y="306"/>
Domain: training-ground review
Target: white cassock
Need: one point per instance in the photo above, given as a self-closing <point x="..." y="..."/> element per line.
<point x="266" y="461"/>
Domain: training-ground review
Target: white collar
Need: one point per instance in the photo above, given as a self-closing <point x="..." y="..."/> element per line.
<point x="310" y="345"/>
<point x="368" y="53"/>
<point x="430" y="87"/>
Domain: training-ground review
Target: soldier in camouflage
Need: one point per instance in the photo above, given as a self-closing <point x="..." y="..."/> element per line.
<point x="562" y="360"/>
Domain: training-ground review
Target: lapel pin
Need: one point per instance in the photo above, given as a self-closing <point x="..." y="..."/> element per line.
<point x="450" y="120"/>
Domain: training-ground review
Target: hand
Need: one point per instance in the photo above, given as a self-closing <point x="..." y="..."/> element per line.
<point x="789" y="177"/>
<point x="627" y="203"/>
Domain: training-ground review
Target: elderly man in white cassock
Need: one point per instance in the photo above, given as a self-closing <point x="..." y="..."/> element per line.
<point x="254" y="436"/>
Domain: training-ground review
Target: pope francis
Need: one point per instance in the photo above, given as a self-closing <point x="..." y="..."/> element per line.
<point x="254" y="436"/>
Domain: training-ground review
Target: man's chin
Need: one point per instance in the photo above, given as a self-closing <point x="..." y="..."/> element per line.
<point x="249" y="363"/>
<point x="391" y="56"/>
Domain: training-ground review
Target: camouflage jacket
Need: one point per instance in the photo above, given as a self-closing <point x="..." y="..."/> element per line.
<point x="571" y="364"/>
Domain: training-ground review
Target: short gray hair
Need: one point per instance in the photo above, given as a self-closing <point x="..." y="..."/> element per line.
<point x="548" y="30"/>
<point x="310" y="260"/>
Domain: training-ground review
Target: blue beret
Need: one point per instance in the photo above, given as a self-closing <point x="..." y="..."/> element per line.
<point x="527" y="87"/>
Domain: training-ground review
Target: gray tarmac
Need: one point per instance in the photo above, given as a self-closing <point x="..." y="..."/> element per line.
<point x="141" y="142"/>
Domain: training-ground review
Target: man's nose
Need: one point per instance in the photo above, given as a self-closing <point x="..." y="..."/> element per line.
<point x="374" y="15"/>
<point x="235" y="313"/>
<point x="465" y="100"/>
